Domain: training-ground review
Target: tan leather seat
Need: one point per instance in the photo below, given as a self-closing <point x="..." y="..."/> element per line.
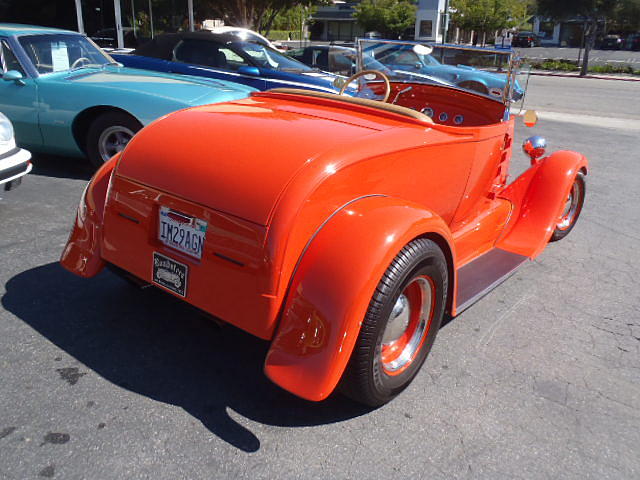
<point x="388" y="107"/>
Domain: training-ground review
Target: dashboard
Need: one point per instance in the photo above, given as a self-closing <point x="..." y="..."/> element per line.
<point x="447" y="106"/>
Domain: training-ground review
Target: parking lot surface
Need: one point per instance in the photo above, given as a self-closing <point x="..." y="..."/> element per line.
<point x="540" y="379"/>
<point x="596" y="56"/>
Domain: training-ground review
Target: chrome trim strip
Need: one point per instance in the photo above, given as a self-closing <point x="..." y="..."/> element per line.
<point x="286" y="82"/>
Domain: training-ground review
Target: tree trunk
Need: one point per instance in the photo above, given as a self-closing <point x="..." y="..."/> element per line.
<point x="590" y="40"/>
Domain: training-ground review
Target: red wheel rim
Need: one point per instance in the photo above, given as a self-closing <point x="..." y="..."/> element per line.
<point x="571" y="208"/>
<point x="408" y="325"/>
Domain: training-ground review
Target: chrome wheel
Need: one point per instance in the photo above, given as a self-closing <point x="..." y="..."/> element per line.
<point x="408" y="325"/>
<point x="571" y="207"/>
<point x="113" y="140"/>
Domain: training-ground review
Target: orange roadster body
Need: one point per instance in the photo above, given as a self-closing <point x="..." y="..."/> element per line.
<point x="282" y="213"/>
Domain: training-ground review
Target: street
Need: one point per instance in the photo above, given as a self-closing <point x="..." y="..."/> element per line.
<point x="540" y="379"/>
<point x="596" y="57"/>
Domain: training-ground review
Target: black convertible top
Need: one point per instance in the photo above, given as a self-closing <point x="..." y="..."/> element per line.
<point x="162" y="45"/>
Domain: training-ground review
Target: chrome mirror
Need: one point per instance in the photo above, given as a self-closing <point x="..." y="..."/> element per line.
<point x="422" y="49"/>
<point x="535" y="147"/>
<point x="13" y="76"/>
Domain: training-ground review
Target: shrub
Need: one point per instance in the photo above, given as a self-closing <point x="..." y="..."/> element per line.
<point x="611" y="69"/>
<point x="276" y="35"/>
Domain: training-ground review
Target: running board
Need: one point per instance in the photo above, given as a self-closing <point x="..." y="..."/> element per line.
<point x="479" y="277"/>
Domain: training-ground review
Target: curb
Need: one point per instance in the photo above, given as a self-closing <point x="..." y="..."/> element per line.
<point x="593" y="77"/>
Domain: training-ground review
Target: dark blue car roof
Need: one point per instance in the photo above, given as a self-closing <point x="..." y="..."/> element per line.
<point x="162" y="47"/>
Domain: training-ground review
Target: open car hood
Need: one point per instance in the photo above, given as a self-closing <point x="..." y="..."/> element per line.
<point x="189" y="90"/>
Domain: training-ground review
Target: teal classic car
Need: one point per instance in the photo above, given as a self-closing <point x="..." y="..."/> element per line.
<point x="65" y="96"/>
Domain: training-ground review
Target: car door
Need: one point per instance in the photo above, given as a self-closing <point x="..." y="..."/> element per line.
<point x="19" y="99"/>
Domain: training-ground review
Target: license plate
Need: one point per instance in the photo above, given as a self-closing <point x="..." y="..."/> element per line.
<point x="182" y="232"/>
<point x="170" y="274"/>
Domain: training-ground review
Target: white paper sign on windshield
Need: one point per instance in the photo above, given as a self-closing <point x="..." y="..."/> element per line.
<point x="59" y="56"/>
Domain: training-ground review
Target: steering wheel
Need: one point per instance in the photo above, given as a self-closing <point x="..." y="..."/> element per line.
<point x="367" y="74"/>
<point x="78" y="60"/>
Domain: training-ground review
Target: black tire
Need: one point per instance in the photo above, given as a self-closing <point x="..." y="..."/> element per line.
<point x="366" y="379"/>
<point x="575" y="202"/>
<point x="475" y="86"/>
<point x="106" y="122"/>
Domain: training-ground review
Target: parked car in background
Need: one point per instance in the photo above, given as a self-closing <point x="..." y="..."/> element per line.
<point x="341" y="229"/>
<point x="633" y="42"/>
<point x="525" y="39"/>
<point x="333" y="58"/>
<point x="403" y="58"/>
<point x="612" y="42"/>
<point x="226" y="57"/>
<point x="66" y="96"/>
<point x="14" y="161"/>
<point x="342" y="61"/>
<point x="107" y="38"/>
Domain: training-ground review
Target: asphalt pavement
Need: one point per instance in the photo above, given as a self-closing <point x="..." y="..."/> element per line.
<point x="596" y="56"/>
<point x="540" y="379"/>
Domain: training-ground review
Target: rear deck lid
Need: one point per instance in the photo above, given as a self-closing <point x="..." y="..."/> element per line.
<point x="235" y="157"/>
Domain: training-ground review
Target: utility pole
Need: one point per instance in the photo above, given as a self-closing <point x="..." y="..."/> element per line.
<point x="151" y="18"/>
<point x="79" y="16"/>
<point x="445" y="27"/>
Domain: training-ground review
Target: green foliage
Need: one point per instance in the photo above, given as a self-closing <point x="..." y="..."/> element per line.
<point x="390" y="17"/>
<point x="572" y="66"/>
<point x="628" y="69"/>
<point x="490" y="15"/>
<point x="571" y="8"/>
<point x="276" y="35"/>
<point x="254" y="14"/>
<point x="556" y="65"/>
<point x="626" y="16"/>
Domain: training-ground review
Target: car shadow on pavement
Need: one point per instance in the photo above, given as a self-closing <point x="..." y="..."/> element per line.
<point x="154" y="345"/>
<point x="61" y="167"/>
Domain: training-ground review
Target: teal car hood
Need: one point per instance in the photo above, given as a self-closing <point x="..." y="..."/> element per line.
<point x="189" y="90"/>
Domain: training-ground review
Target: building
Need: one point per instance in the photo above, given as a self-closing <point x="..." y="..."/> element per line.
<point x="430" y="20"/>
<point x="562" y="34"/>
<point x="113" y="23"/>
<point x="335" y="22"/>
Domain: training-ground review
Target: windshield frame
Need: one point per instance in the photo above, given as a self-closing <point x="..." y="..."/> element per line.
<point x="513" y="62"/>
<point x="34" y="72"/>
<point x="237" y="47"/>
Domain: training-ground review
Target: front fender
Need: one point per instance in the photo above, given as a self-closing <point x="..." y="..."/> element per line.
<point x="538" y="197"/>
<point x="332" y="286"/>
<point x="82" y="254"/>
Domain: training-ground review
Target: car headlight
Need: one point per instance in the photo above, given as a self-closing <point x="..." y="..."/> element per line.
<point x="6" y="129"/>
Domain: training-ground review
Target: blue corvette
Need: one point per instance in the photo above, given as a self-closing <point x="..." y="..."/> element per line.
<point x="66" y="96"/>
<point x="226" y="57"/>
<point x="405" y="59"/>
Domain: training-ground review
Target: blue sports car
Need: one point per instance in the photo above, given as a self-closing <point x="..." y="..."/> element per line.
<point x="64" y="95"/>
<point x="225" y="56"/>
<point x="404" y="59"/>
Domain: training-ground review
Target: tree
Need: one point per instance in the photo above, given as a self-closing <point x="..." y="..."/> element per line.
<point x="254" y="14"/>
<point x="487" y="16"/>
<point x="390" y="17"/>
<point x="590" y="10"/>
<point x="626" y="16"/>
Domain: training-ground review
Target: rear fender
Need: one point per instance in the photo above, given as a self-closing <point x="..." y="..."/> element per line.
<point x="333" y="284"/>
<point x="82" y="254"/>
<point x="538" y="197"/>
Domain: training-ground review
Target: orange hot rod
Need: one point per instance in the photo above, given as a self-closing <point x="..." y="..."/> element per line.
<point x="341" y="229"/>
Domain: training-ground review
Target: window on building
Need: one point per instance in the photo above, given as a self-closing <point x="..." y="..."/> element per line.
<point x="426" y="28"/>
